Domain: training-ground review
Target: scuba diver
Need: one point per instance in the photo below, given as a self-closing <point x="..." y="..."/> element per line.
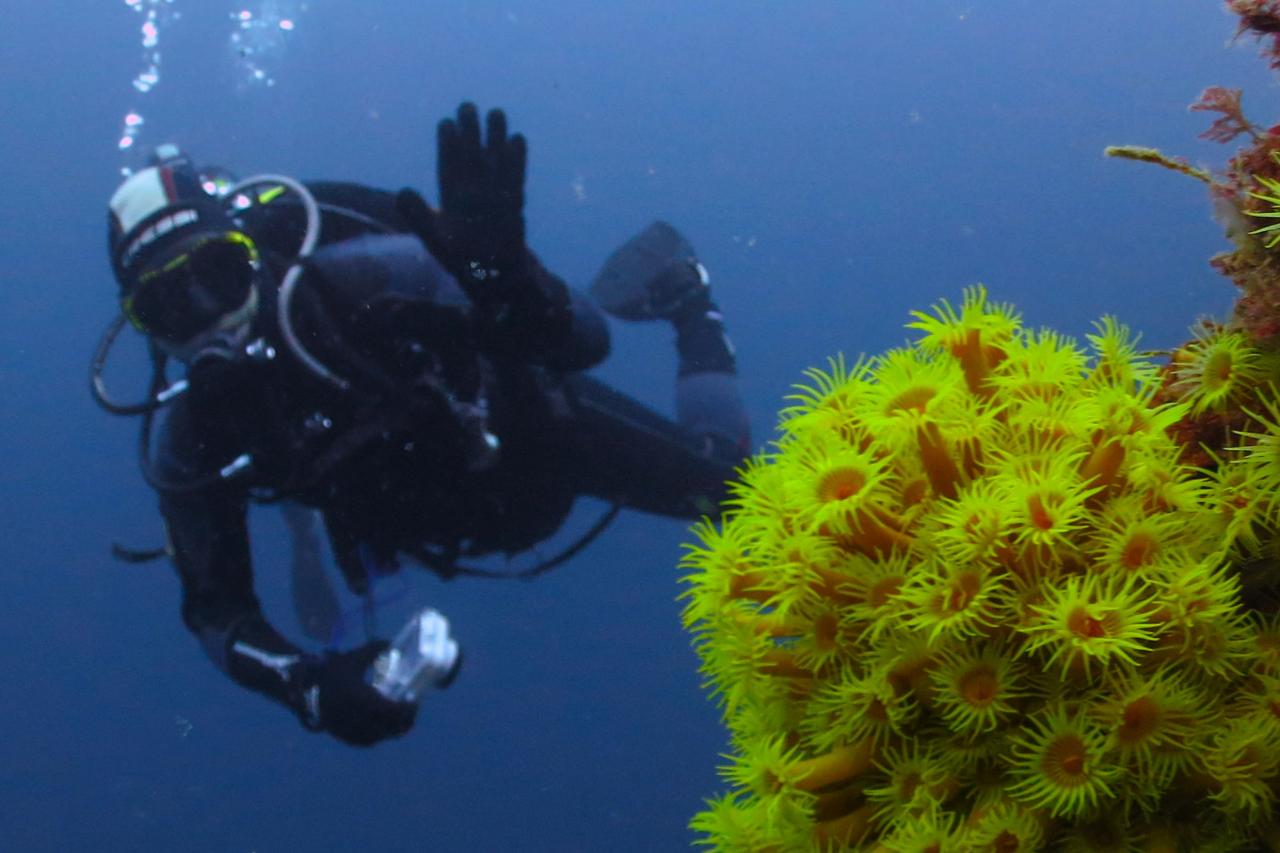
<point x="411" y="375"/>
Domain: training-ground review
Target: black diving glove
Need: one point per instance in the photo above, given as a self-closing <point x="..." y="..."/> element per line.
<point x="478" y="232"/>
<point x="340" y="701"/>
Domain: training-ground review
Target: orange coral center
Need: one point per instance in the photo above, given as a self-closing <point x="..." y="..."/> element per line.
<point x="1040" y="510"/>
<point x="913" y="398"/>
<point x="1081" y="623"/>
<point x="1139" y="720"/>
<point x="750" y="585"/>
<point x="981" y="528"/>
<point x="1006" y="842"/>
<point x="825" y="629"/>
<point x="1103" y="464"/>
<point x="976" y="360"/>
<point x="1064" y="760"/>
<point x="979" y="685"/>
<point x="963" y="589"/>
<point x="879" y="595"/>
<point x="914" y="492"/>
<point x="1139" y="550"/>
<point x="1218" y="369"/>
<point x="908" y="784"/>
<point x="841" y="484"/>
<point x="938" y="464"/>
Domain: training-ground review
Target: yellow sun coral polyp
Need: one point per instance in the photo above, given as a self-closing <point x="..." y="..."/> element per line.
<point x="976" y="336"/>
<point x="1059" y="765"/>
<point x="973" y="599"/>
<point x="1088" y="623"/>
<point x="977" y="689"/>
<point x="1216" y="368"/>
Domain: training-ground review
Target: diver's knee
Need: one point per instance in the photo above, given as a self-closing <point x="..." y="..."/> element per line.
<point x="708" y="403"/>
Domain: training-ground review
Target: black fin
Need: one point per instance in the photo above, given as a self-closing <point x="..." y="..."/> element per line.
<point x="622" y="285"/>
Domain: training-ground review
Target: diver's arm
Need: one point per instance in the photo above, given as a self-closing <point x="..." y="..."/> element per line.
<point x="542" y="320"/>
<point x="210" y="543"/>
<point x="478" y="235"/>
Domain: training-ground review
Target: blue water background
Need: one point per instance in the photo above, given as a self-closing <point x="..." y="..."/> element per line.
<point x="836" y="163"/>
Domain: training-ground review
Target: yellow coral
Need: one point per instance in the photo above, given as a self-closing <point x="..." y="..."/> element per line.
<point x="1218" y="367"/>
<point x="1060" y="764"/>
<point x="1118" y="361"/>
<point x="976" y="336"/>
<point x="1272" y="198"/>
<point x="978" y="688"/>
<point x="1261" y="455"/>
<point x="974" y="599"/>
<point x="1091" y="623"/>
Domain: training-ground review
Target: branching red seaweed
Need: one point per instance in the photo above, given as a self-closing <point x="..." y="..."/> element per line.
<point x="1232" y="123"/>
<point x="1262" y="18"/>
<point x="1245" y="194"/>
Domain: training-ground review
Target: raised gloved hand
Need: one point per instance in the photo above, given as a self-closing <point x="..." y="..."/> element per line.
<point x="341" y="702"/>
<point x="478" y="235"/>
<point x="478" y="231"/>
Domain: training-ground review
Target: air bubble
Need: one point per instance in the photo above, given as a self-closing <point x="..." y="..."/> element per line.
<point x="158" y="15"/>
<point x="258" y="41"/>
<point x="257" y="44"/>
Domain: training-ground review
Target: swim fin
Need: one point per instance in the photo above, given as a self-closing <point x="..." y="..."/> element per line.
<point x="651" y="276"/>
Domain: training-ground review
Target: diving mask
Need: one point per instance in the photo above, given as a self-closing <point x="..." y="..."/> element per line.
<point x="206" y="281"/>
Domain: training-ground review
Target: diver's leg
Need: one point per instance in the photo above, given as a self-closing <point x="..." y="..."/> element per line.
<point x="656" y="276"/>
<point x="619" y="450"/>
<point x="708" y="402"/>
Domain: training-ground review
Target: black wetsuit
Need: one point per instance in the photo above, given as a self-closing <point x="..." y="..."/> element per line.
<point x="460" y="434"/>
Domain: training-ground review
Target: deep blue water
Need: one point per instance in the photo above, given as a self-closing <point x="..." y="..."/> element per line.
<point x="837" y="163"/>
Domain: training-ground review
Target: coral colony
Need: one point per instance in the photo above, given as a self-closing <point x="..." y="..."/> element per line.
<point x="996" y="590"/>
